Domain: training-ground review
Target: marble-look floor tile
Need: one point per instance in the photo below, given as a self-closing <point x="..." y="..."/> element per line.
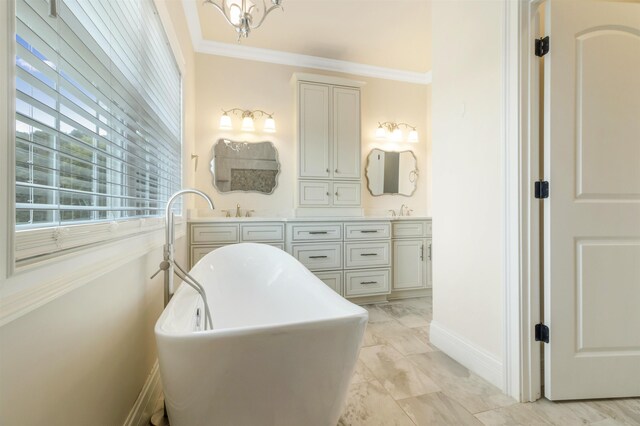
<point x="567" y="413"/>
<point x="513" y="415"/>
<point x="437" y="409"/>
<point x="408" y="315"/>
<point x="369" y="404"/>
<point x="361" y="374"/>
<point x="625" y="411"/>
<point x="405" y="340"/>
<point x="468" y="389"/>
<point x="376" y="314"/>
<point x="401" y="378"/>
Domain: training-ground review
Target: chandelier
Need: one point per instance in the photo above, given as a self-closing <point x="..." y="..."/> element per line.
<point x="241" y="14"/>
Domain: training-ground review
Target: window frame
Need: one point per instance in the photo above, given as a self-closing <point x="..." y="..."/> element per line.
<point x="70" y="238"/>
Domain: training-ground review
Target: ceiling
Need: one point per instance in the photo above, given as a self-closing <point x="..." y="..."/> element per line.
<point x="386" y="33"/>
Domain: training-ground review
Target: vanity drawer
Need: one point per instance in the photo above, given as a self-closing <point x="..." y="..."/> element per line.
<point x="366" y="283"/>
<point x="258" y="233"/>
<point x="214" y="234"/>
<point x="367" y="231"/>
<point x="366" y="255"/>
<point x="319" y="256"/>
<point x="316" y="232"/>
<point x="409" y="229"/>
<point x="332" y="279"/>
<point x="199" y="252"/>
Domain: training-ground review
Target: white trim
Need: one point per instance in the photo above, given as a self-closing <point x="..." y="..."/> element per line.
<point x="326" y="79"/>
<point x="48" y="280"/>
<point x="142" y="410"/>
<point x="237" y="51"/>
<point x="170" y="31"/>
<point x="460" y="349"/>
<point x="511" y="199"/>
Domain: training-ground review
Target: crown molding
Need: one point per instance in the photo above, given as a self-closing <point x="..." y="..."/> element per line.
<point x="229" y="50"/>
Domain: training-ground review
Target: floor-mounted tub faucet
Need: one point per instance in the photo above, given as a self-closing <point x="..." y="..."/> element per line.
<point x="169" y="264"/>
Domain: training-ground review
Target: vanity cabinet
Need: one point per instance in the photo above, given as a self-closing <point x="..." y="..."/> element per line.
<point x="329" y="194"/>
<point x="206" y="237"/>
<point x="411" y="256"/>
<point x="363" y="260"/>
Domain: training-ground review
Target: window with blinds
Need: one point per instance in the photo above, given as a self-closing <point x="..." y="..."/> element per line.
<point x="98" y="119"/>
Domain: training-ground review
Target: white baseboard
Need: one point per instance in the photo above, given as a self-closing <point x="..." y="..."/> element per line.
<point x="475" y="359"/>
<point x="140" y="414"/>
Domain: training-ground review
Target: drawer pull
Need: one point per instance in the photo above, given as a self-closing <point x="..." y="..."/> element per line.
<point x="369" y="231"/>
<point x="369" y="254"/>
<point x="368" y="282"/>
<point x="317" y="257"/>
<point x="318" y="232"/>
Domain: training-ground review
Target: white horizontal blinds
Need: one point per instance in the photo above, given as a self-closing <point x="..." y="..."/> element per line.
<point x="98" y="113"/>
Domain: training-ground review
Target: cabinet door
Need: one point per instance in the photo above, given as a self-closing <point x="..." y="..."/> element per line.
<point x="346" y="133"/>
<point x="314" y="131"/>
<point x="409" y="264"/>
<point x="314" y="193"/>
<point x="346" y="194"/>
<point x="429" y="262"/>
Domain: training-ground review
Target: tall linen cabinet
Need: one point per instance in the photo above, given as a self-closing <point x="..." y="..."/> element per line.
<point x="329" y="145"/>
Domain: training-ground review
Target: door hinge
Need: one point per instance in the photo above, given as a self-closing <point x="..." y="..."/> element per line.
<point x="542" y="333"/>
<point x="541" y="189"/>
<point x="542" y="46"/>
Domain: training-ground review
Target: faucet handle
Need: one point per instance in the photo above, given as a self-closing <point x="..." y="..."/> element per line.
<point x="248" y="213"/>
<point x="393" y="213"/>
<point x="409" y="212"/>
<point x="227" y="213"/>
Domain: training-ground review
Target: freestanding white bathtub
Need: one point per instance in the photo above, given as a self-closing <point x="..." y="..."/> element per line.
<point x="282" y="349"/>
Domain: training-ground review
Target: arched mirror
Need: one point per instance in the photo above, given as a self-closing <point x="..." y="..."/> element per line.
<point x="245" y="166"/>
<point x="391" y="172"/>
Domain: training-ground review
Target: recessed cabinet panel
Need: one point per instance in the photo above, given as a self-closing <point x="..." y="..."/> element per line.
<point x="410" y="264"/>
<point x="346" y="194"/>
<point x="214" y="233"/>
<point x="346" y="133"/>
<point x="319" y="256"/>
<point x="332" y="279"/>
<point x="314" y="193"/>
<point x="259" y="233"/>
<point x="314" y="131"/>
<point x="366" y="283"/>
<point x="367" y="255"/>
<point x="366" y="231"/>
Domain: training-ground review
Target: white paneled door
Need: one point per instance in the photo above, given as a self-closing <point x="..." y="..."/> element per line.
<point x="592" y="217"/>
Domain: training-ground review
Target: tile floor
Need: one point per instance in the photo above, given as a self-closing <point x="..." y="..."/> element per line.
<point x="402" y="380"/>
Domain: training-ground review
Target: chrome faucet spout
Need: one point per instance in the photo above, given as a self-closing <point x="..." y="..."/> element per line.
<point x="168" y="214"/>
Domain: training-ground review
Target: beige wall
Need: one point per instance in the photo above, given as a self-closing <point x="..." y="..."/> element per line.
<point x="83" y="358"/>
<point x="467" y="171"/>
<point x="224" y="83"/>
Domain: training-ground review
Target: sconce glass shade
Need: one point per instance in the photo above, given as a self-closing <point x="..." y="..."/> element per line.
<point x="396" y="135"/>
<point x="225" y="122"/>
<point x="247" y="124"/>
<point x="269" y="125"/>
<point x="413" y="136"/>
<point x="381" y="132"/>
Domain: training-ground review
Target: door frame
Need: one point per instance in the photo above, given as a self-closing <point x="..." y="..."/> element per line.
<point x="520" y="135"/>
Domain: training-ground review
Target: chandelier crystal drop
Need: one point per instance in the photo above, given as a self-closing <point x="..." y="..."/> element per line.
<point x="244" y="15"/>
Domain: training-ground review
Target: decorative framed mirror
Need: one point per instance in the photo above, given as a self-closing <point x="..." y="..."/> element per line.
<point x="245" y="166"/>
<point x="391" y="172"/>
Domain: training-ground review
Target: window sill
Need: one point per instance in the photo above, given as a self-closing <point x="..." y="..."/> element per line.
<point x="38" y="283"/>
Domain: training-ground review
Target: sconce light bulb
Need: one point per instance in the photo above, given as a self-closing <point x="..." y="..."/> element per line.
<point x="413" y="136"/>
<point x="381" y="133"/>
<point x="269" y="125"/>
<point x="247" y="124"/>
<point x="225" y="122"/>
<point x="396" y="136"/>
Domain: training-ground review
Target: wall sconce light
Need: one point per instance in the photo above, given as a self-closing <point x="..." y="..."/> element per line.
<point x="247" y="120"/>
<point x="391" y="131"/>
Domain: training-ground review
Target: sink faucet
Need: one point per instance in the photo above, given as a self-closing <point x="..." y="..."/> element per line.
<point x="169" y="264"/>
<point x="404" y="206"/>
<point x="238" y="212"/>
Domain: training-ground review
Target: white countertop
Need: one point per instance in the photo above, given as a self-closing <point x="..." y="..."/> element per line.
<point x="306" y="219"/>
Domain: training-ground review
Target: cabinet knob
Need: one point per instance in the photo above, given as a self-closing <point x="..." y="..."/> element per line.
<point x="327" y="170"/>
<point x="328" y="194"/>
<point x="337" y="171"/>
<point x="336" y="193"/>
